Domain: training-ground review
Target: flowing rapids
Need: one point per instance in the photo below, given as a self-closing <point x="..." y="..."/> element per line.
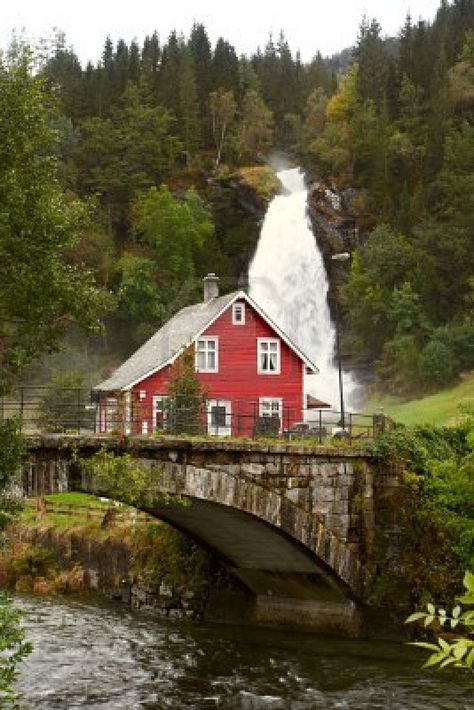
<point x="288" y="280"/>
<point x="104" y="657"/>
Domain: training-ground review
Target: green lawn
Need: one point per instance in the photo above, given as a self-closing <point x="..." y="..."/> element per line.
<point x="72" y="510"/>
<point x="71" y="498"/>
<point x="440" y="408"/>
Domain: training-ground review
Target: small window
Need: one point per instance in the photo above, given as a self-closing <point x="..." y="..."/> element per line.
<point x="207" y="355"/>
<point x="144" y="427"/>
<point x="142" y="394"/>
<point x="161" y="411"/>
<point x="218" y="416"/>
<point x="268" y="354"/>
<point x="111" y="414"/>
<point x="238" y="314"/>
<point x="270" y="407"/>
<point x="270" y="416"/>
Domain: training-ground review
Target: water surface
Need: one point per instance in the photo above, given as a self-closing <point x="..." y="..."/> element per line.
<point x="100" y="656"/>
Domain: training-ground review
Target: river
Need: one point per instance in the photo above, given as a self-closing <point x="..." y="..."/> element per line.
<point x="91" y="655"/>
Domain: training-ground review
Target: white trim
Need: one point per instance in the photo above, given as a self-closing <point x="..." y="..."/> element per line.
<point x="162" y="399"/>
<point x="277" y="342"/>
<point x="128" y="412"/>
<point x="219" y="430"/>
<point x="208" y="339"/>
<point x="240" y="295"/>
<point x="235" y="305"/>
<point x="261" y="400"/>
<point x="111" y="414"/>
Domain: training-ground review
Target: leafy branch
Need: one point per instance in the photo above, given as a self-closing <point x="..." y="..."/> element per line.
<point x="13" y="649"/>
<point x="459" y="652"/>
<point x="124" y="478"/>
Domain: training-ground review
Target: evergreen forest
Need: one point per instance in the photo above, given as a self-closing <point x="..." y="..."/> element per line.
<point x="157" y="149"/>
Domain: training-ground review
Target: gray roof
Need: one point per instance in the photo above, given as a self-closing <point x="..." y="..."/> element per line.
<point x="165" y="343"/>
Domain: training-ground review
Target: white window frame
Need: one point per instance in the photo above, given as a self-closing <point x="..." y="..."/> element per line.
<point x="236" y="306"/>
<point x="160" y="405"/>
<point x="214" y="430"/>
<point x="268" y="414"/>
<point x="206" y="340"/>
<point x="267" y="341"/>
<point x="128" y="411"/>
<point x="263" y="401"/>
<point x="111" y="414"/>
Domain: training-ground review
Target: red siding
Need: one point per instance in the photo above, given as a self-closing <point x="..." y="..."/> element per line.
<point x="237" y="379"/>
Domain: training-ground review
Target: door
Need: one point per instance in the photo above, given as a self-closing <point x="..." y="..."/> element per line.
<point x="219" y="417"/>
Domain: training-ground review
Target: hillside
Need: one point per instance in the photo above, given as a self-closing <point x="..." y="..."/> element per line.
<point x="441" y="408"/>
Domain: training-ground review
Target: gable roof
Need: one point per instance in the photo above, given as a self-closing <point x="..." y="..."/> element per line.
<point x="177" y="334"/>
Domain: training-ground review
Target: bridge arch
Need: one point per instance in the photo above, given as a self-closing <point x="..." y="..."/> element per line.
<point x="253" y="527"/>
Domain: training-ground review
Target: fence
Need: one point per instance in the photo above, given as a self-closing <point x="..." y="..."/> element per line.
<point x="50" y="409"/>
<point x="42" y="507"/>
<point x="71" y="410"/>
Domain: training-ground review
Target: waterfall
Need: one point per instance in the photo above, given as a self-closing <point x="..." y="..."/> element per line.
<point x="287" y="278"/>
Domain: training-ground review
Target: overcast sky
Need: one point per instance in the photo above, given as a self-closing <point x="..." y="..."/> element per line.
<point x="309" y="25"/>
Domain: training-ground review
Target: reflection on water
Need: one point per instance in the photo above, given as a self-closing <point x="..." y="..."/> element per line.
<point x="91" y="656"/>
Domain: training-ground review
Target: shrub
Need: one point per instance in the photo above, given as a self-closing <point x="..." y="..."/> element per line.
<point x="438" y="364"/>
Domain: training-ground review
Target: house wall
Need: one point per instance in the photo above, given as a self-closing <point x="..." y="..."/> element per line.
<point x="237" y="379"/>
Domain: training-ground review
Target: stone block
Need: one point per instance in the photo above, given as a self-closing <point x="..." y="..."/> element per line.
<point x="342" y="493"/>
<point x="337" y="521"/>
<point x="320" y="508"/>
<point x="272" y="469"/>
<point x="252" y="469"/>
<point x="339" y="508"/>
<point x="325" y="495"/>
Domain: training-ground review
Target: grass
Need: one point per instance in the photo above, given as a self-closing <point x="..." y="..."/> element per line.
<point x="71" y="498"/>
<point x="73" y="510"/>
<point x="441" y="408"/>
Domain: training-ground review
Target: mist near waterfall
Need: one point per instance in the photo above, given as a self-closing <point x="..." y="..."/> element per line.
<point x="288" y="279"/>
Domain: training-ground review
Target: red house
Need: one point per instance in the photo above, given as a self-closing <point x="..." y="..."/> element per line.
<point x="250" y="368"/>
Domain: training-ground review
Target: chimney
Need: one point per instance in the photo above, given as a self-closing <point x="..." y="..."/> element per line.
<point x="211" y="287"/>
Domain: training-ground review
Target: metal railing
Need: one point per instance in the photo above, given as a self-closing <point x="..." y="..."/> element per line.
<point x="50" y="409"/>
<point x="73" y="410"/>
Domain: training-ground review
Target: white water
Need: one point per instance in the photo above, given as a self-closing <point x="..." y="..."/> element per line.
<point x="288" y="280"/>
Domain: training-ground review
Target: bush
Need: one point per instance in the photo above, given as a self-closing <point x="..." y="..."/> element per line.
<point x="435" y="513"/>
<point x="438" y="364"/>
<point x="398" y="367"/>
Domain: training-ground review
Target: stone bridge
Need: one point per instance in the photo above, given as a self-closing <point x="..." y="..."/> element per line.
<point x="296" y="525"/>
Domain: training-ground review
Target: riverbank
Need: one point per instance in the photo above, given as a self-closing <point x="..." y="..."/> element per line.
<point x="72" y="543"/>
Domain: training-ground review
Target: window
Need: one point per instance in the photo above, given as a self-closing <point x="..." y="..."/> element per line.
<point x="238" y="314"/>
<point x="161" y="411"/>
<point x="268" y="356"/>
<point x="270" y="407"/>
<point x="219" y="417"/>
<point x="111" y="414"/>
<point x="270" y="416"/>
<point x="207" y="355"/>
